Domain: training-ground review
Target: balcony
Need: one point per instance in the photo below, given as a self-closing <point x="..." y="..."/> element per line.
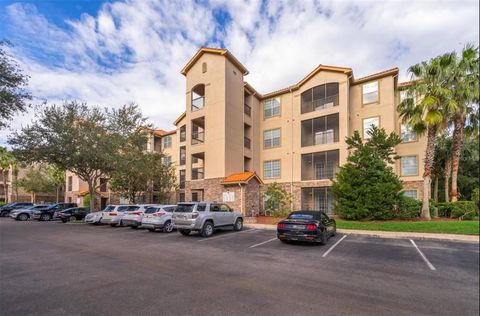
<point x="198" y="97"/>
<point x="182" y="179"/>
<point x="247" y="143"/>
<point x="198" y="130"/>
<point x="320" y="97"/>
<point x="197" y="138"/>
<point x="197" y="173"/>
<point x="321" y="130"/>
<point x="320" y="165"/>
<point x="183" y="156"/>
<point x="197" y="166"/>
<point x="247" y="110"/>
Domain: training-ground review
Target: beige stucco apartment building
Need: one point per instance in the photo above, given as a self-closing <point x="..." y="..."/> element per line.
<point x="232" y="142"/>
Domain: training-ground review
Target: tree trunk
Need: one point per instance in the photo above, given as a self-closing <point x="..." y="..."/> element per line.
<point x="448" y="171"/>
<point x="457" y="142"/>
<point x="435" y="189"/>
<point x="58" y="194"/>
<point x="429" y="156"/>
<point x="91" y="191"/>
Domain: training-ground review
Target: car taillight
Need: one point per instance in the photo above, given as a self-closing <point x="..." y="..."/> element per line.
<point x="311" y="227"/>
<point x="194" y="215"/>
<point x="159" y="214"/>
<point x="281" y="225"/>
<point x="112" y="214"/>
<point x="137" y="213"/>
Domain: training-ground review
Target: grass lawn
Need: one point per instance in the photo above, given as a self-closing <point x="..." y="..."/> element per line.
<point x="435" y="226"/>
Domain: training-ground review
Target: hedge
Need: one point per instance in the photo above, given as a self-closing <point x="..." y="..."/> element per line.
<point x="459" y="209"/>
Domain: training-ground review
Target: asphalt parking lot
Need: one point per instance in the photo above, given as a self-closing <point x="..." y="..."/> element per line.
<point x="50" y="268"/>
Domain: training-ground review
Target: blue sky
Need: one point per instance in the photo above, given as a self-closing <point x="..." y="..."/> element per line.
<point x="114" y="52"/>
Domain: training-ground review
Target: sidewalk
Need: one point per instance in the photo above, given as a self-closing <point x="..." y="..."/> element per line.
<point x="388" y="234"/>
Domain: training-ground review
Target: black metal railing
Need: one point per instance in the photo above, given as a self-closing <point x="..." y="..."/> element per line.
<point x="247" y="142"/>
<point x="197" y="138"/>
<point x="197" y="173"/>
<point x="198" y="104"/>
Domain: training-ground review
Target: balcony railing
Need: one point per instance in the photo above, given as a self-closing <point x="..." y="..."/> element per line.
<point x="325" y="137"/>
<point x="247" y="110"/>
<point x="325" y="171"/>
<point x="198" y="103"/>
<point x="320" y="104"/>
<point x="247" y="142"/>
<point x="197" y="173"/>
<point x="197" y="138"/>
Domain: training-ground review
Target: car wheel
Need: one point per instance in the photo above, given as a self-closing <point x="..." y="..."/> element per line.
<point x="168" y="227"/>
<point x="334" y="233"/>
<point x="64" y="220"/>
<point x="134" y="227"/>
<point x="284" y="241"/>
<point x="324" y="238"/>
<point x="22" y="217"/>
<point x="238" y="225"/>
<point x="72" y="219"/>
<point x="184" y="232"/>
<point x="45" y="217"/>
<point x="207" y="229"/>
<point x="151" y="230"/>
<point x="4" y="214"/>
<point x="113" y="225"/>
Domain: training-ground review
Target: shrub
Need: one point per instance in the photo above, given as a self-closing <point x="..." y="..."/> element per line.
<point x="277" y="200"/>
<point x="463" y="209"/>
<point x="444" y="209"/>
<point x="476" y="198"/>
<point x="407" y="207"/>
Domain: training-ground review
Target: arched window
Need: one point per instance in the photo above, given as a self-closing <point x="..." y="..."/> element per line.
<point x="320" y="97"/>
<point x="198" y="97"/>
<point x="204" y="67"/>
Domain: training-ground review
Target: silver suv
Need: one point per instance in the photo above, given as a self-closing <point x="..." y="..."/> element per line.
<point x="205" y="217"/>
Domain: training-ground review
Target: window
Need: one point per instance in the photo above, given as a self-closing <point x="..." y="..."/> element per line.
<point x="183" y="133"/>
<point x="321" y="130"/>
<point x="70" y="184"/>
<point x="224" y="208"/>
<point x="195" y="197"/>
<point x="407" y="134"/>
<point x="183" y="155"/>
<point x="271" y="169"/>
<point x="182" y="178"/>
<point x="408" y="166"/>
<point x="368" y="123"/>
<point x="204" y="67"/>
<point x="271" y="138"/>
<point x="271" y="107"/>
<point x="167" y="160"/>
<point x="215" y="208"/>
<point x="411" y="193"/>
<point x="317" y="199"/>
<point x="103" y="185"/>
<point x="370" y="92"/>
<point x="167" y="142"/>
<point x="198" y="97"/>
<point x="320" y="97"/>
<point x="181" y="198"/>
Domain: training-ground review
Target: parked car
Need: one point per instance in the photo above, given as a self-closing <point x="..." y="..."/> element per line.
<point x="114" y="215"/>
<point x="7" y="208"/>
<point x="95" y="217"/>
<point x="133" y="218"/>
<point x="311" y="226"/>
<point x="73" y="214"/>
<point x="23" y="214"/>
<point x="158" y="217"/>
<point x="205" y="217"/>
<point x="46" y="214"/>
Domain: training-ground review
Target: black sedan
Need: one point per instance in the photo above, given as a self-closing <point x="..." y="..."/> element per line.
<point x="311" y="226"/>
<point x="73" y="214"/>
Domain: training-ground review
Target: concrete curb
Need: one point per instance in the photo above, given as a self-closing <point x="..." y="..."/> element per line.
<point x="387" y="234"/>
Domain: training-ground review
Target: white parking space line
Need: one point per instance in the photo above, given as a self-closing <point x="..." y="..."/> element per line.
<point x="333" y="246"/>
<point x="429" y="264"/>
<point x="263" y="243"/>
<point x="228" y="234"/>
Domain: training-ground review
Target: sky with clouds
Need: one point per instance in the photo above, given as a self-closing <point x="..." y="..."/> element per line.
<point x="114" y="52"/>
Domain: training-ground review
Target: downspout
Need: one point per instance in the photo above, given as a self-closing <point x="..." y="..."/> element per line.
<point x="291" y="150"/>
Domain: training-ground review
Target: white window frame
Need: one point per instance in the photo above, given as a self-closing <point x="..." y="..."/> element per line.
<point x="167" y="160"/>
<point x="271" y="139"/>
<point x="271" y="107"/>
<point x="272" y="169"/>
<point x="370" y="88"/>
<point x="403" y="165"/>
<point x="368" y="127"/>
<point x="167" y="142"/>
<point x="406" y="193"/>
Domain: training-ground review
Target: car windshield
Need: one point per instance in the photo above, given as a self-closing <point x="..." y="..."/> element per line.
<point x="184" y="208"/>
<point x="151" y="210"/>
<point x="109" y="208"/>
<point x="169" y="209"/>
<point x="133" y="208"/>
<point x="301" y="216"/>
<point x="122" y="208"/>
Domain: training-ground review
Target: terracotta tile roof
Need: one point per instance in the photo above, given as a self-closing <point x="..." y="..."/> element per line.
<point x="406" y="83"/>
<point x="241" y="177"/>
<point x="391" y="71"/>
<point x="159" y="132"/>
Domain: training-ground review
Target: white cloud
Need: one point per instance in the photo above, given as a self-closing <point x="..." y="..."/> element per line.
<point x="134" y="50"/>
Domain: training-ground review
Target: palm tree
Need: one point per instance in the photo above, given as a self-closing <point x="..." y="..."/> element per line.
<point x="442" y="164"/>
<point x="464" y="84"/>
<point x="426" y="110"/>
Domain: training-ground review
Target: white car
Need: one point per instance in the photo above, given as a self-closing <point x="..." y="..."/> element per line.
<point x="113" y="214"/>
<point x="133" y="218"/>
<point x="159" y="217"/>
<point x="93" y="218"/>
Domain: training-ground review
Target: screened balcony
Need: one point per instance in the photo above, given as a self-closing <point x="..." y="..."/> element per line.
<point x="320" y="165"/>
<point x="198" y="131"/>
<point x="198" y="166"/>
<point x="320" y="130"/>
<point x="317" y="199"/>
<point x="320" y="97"/>
<point x="198" y="97"/>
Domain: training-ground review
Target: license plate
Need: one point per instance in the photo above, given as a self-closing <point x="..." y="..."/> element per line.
<point x="297" y="226"/>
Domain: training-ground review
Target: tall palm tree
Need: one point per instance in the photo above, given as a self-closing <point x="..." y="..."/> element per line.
<point x="426" y="110"/>
<point x="464" y="81"/>
<point x="443" y="163"/>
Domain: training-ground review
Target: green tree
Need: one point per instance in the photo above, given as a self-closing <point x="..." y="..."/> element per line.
<point x="464" y="81"/>
<point x="277" y="200"/>
<point x="57" y="177"/>
<point x="442" y="165"/>
<point x="427" y="109"/>
<point x="6" y="161"/>
<point x="163" y="180"/>
<point x="85" y="140"/>
<point x="13" y="93"/>
<point x="36" y="181"/>
<point x="366" y="187"/>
